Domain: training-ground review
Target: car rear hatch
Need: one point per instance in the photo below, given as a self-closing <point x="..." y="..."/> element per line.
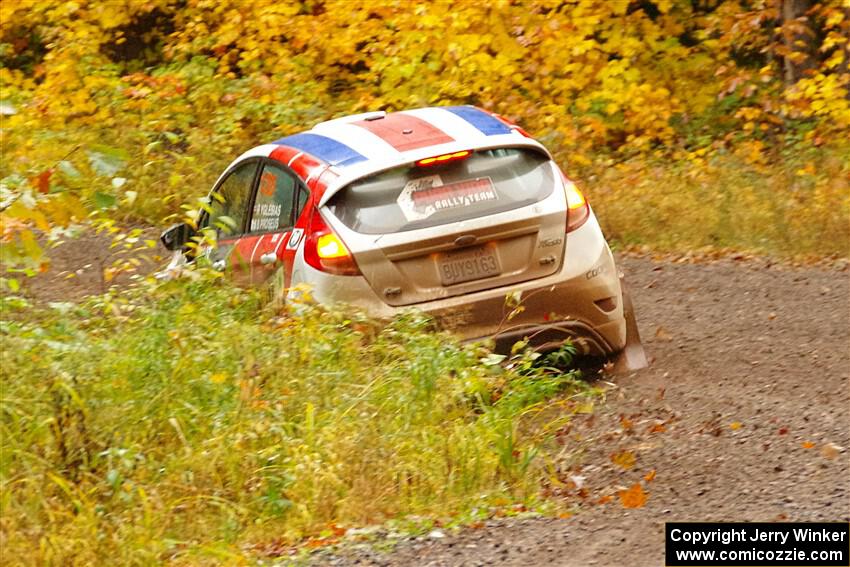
<point x="454" y="224"/>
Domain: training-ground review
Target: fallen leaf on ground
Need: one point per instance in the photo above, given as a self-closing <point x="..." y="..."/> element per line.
<point x="831" y="450"/>
<point x="783" y="431"/>
<point x="807" y="444"/>
<point x="625" y="459"/>
<point x="735" y="425"/>
<point x="657" y="428"/>
<point x="633" y="497"/>
<point x="662" y="335"/>
<point x="650" y="476"/>
<point x="578" y="480"/>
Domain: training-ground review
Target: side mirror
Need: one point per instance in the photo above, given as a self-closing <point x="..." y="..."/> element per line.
<point x="176" y="236"/>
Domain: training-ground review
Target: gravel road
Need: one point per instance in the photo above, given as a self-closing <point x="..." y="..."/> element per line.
<point x="744" y="415"/>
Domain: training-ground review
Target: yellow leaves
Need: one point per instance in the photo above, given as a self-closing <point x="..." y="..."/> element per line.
<point x="31" y="248"/>
<point x="735" y="425"/>
<point x="834" y="18"/>
<point x="21" y="212"/>
<point x="806" y="170"/>
<point x="624" y="459"/>
<point x="664" y="6"/>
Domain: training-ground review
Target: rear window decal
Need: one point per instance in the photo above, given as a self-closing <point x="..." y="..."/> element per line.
<point x="424" y="196"/>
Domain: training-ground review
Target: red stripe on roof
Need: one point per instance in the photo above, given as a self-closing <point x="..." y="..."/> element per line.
<point x="284" y="154"/>
<point x="405" y="132"/>
<point x="307" y="167"/>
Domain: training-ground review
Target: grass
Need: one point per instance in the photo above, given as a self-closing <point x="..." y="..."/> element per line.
<point x="795" y="205"/>
<point x="187" y="422"/>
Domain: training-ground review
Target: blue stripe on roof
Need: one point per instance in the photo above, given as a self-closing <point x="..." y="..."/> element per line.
<point x="322" y="147"/>
<point x="484" y="122"/>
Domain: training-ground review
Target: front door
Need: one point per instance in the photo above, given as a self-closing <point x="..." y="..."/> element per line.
<point x="275" y="214"/>
<point x="229" y="202"/>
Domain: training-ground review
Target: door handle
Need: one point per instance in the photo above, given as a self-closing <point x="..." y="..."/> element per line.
<point x="268" y="258"/>
<point x="219" y="265"/>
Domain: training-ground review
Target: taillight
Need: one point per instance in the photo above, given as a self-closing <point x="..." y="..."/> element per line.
<point x="326" y="251"/>
<point x="578" y="211"/>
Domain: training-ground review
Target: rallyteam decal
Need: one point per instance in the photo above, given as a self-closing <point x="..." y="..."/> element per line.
<point x="422" y="197"/>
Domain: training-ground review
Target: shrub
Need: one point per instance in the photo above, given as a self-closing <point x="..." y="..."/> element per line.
<point x="183" y="420"/>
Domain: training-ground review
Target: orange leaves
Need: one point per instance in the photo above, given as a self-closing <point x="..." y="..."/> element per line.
<point x="633" y="497"/>
<point x="807" y="444"/>
<point x="42" y="181"/>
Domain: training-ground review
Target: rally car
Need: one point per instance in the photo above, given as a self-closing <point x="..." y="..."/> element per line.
<point x="452" y="210"/>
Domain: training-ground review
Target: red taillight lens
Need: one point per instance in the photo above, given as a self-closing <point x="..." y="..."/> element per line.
<point x="578" y="211"/>
<point x="436" y="160"/>
<point x="326" y="251"/>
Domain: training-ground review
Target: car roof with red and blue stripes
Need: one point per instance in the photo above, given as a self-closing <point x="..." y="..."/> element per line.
<point x="336" y="152"/>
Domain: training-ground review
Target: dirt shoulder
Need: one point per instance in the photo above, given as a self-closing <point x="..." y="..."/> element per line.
<point x="744" y="415"/>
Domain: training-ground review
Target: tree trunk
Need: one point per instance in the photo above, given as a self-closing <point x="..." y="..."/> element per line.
<point x="798" y="38"/>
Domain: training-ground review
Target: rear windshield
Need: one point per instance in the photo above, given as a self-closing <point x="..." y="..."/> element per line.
<point x="409" y="197"/>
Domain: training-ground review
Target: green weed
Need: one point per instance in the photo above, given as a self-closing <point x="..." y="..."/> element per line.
<point x="186" y="422"/>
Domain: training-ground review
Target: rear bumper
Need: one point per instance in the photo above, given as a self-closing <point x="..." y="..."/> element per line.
<point x="583" y="301"/>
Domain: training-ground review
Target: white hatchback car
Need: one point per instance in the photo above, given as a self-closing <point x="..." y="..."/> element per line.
<point x="449" y="210"/>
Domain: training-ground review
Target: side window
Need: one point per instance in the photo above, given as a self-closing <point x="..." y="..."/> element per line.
<point x="229" y="202"/>
<point x="275" y="197"/>
<point x="303" y="195"/>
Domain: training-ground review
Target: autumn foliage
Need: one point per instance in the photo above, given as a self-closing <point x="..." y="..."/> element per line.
<point x="735" y="92"/>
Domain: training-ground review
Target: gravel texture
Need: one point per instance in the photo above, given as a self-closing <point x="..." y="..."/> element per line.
<point x="743" y="416"/>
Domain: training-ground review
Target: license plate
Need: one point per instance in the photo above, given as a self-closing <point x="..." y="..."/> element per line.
<point x="468" y="264"/>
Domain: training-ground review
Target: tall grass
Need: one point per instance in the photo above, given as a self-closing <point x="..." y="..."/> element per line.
<point x="187" y="422"/>
<point x="794" y="204"/>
